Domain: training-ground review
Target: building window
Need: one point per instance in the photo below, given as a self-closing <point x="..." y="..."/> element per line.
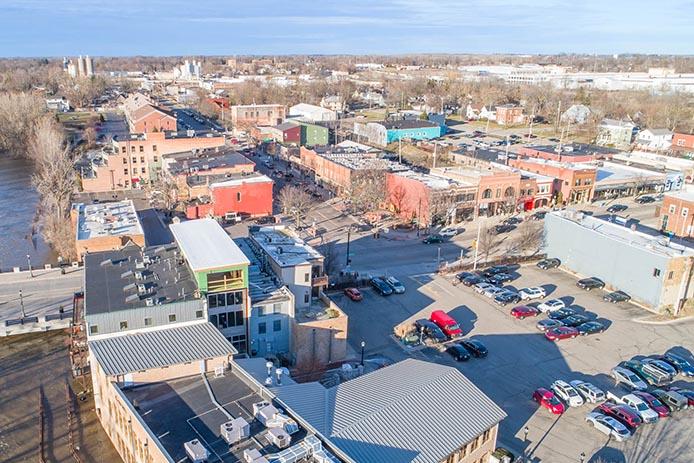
<point x="235" y="318"/>
<point x="306" y="277"/>
<point x="578" y="182"/>
<point x="213" y="320"/>
<point x="656" y="272"/>
<point x="142" y="159"/>
<point x="276" y="307"/>
<point x="685" y="211"/>
<point x="132" y="149"/>
<point x="487" y="194"/>
<point x="125" y="160"/>
<point x="212" y="301"/>
<point x="125" y="171"/>
<point x="239" y="342"/>
<point x="134" y="159"/>
<point x="156" y="158"/>
<point x="172" y="317"/>
<point x="277" y="325"/>
<point x="154" y="148"/>
<point x="673" y="208"/>
<point x="93" y="329"/>
<point x="261" y="311"/>
<point x="498" y="192"/>
<point x="262" y="328"/>
<point x="670" y="275"/>
<point x="148" y="321"/>
<point x="123" y="326"/>
<point x="587" y="181"/>
<point x="142" y="149"/>
<point x="238" y="196"/>
<point x="306" y="298"/>
<point x="486" y="434"/>
<point x="198" y="314"/>
<point x="222" y="320"/>
<point x="123" y="150"/>
<point x="142" y="170"/>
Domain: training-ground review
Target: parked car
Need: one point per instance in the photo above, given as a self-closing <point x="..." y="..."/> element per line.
<point x="458" y="352"/>
<point x="551" y="305"/>
<point x="671" y="399"/>
<point x="645" y="199"/>
<point x="561" y="332"/>
<point x="662" y="366"/>
<point x="430" y="329"/>
<point x="575" y="320"/>
<point x="500" y="278"/>
<point x="449" y="232"/>
<point x="539" y="215"/>
<point x="616" y="297"/>
<point x="688" y="393"/>
<point x="588" y="391"/>
<point x="473" y="280"/>
<point x="433" y="239"/>
<point x="548" y="324"/>
<point x="653" y="402"/>
<point x="627" y="377"/>
<point x="447" y="323"/>
<point x="567" y="393"/>
<point x="475" y="347"/>
<point x="463" y="275"/>
<point x="615" y="208"/>
<point x="639" y="405"/>
<point x="536" y="292"/>
<point x="504" y="228"/>
<point x="625" y="414"/>
<point x="680" y="363"/>
<point x="545" y="264"/>
<point x="548" y="400"/>
<point x="523" y="311"/>
<point x="494" y="291"/>
<point x="561" y="313"/>
<point x="381" y="286"/>
<point x="395" y="284"/>
<point x="649" y="373"/>
<point x="507" y="297"/>
<point x="353" y="294"/>
<point x="590" y="283"/>
<point x="483" y="286"/>
<point x="609" y="426"/>
<point x="591" y="327"/>
<point x="496" y="269"/>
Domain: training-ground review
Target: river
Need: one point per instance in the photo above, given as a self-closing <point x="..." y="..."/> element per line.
<point x="18" y="202"/>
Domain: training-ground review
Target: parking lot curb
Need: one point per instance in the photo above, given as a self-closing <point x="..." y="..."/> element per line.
<point x="675" y="321"/>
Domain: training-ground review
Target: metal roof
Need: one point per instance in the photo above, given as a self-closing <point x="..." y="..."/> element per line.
<point x="206" y="245"/>
<point x="119" y="355"/>
<point x="412" y="411"/>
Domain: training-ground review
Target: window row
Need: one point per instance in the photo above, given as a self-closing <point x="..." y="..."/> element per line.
<point x="276" y="326"/>
<point x="261" y="311"/>
<point x="225" y="299"/>
<point x="148" y="322"/>
<point x="227" y="319"/>
<point x="142" y="149"/>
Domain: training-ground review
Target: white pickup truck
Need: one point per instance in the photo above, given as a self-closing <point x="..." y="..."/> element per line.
<point x="639" y="405"/>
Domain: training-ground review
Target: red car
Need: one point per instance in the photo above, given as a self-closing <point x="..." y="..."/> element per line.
<point x="353" y="293"/>
<point x="547" y="399"/>
<point x="653" y="402"/>
<point x="561" y="332"/>
<point x="522" y="311"/>
<point x="623" y="413"/>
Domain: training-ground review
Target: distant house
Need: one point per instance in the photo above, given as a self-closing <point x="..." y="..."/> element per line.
<point x="576" y="114"/>
<point x="333" y="103"/>
<point x="509" y="114"/>
<point x="683" y="143"/>
<point x="472" y="112"/>
<point x="58" y="104"/>
<point x="488" y="113"/>
<point x="312" y="113"/>
<point x="385" y="132"/>
<point x="614" y="132"/>
<point x="654" y="139"/>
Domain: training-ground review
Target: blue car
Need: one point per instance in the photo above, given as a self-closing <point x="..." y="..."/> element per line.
<point x="381" y="287"/>
<point x="679" y="363"/>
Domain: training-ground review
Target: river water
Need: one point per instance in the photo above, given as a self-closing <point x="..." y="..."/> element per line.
<point x="18" y="202"/>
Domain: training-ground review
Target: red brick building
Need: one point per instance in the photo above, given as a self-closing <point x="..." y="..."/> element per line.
<point x="150" y="118"/>
<point x="509" y="114"/>
<point x="682" y="142"/>
<point x="249" y="195"/>
<point x="573" y="184"/>
<point x="677" y="214"/>
<point x="262" y="114"/>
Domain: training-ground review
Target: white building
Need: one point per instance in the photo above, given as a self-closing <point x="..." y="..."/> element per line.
<point x="654" y="139"/>
<point x="312" y="113"/>
<point x="58" y="104"/>
<point x="189" y="70"/>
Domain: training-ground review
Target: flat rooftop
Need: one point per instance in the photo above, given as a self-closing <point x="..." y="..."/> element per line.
<point x="187" y="163"/>
<point x="616" y="173"/>
<point x="683" y="195"/>
<point x="206" y="246"/>
<point x="434" y="182"/>
<point x="222" y="180"/>
<point x="263" y="284"/>
<point x="654" y="243"/>
<point x="115" y="280"/>
<point x="286" y="250"/>
<point x="357" y="158"/>
<point x="178" y="411"/>
<point x="107" y="219"/>
<point x="407" y="124"/>
<point x="574" y="149"/>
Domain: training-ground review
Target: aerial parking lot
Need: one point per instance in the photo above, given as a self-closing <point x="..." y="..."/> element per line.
<point x="521" y="360"/>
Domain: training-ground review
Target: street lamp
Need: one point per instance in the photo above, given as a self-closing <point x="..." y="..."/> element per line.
<point x="582" y="456"/>
<point x="363" y="344"/>
<point x="29" y="262"/>
<point x="349" y="235"/>
<point x="525" y="434"/>
<point x="21" y="304"/>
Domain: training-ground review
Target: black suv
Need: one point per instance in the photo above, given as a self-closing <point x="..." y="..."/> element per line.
<point x="616" y="208"/>
<point x="496" y="269"/>
<point x="545" y="264"/>
<point x="430" y="330"/>
<point x="617" y="296"/>
<point x="590" y="283"/>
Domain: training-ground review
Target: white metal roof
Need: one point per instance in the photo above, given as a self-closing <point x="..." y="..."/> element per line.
<point x="206" y="245"/>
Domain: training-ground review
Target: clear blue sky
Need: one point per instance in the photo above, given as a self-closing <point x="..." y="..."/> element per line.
<point x="175" y="27"/>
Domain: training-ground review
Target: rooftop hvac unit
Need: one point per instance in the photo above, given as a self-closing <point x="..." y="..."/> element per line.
<point x="284" y="422"/>
<point x="253" y="456"/>
<point x="139" y="265"/>
<point x="264" y="412"/>
<point x="149" y="302"/>
<point x="146" y="259"/>
<point x="197" y="453"/>
<point x="235" y="430"/>
<point x="279" y="437"/>
<point x="141" y="289"/>
<point x="138" y="275"/>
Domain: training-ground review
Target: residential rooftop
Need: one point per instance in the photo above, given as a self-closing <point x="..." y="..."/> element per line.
<point x="395" y="414"/>
<point x="434" y="182"/>
<point x="188" y="163"/>
<point x="407" y="124"/>
<point x="683" y="195"/>
<point x="223" y="180"/>
<point x="356" y="158"/>
<point x="133" y="277"/>
<point x="574" y="149"/>
<point x="107" y="219"/>
<point x="263" y="284"/>
<point x="206" y="246"/>
<point x="285" y="249"/>
<point x="610" y="173"/>
<point x="656" y="244"/>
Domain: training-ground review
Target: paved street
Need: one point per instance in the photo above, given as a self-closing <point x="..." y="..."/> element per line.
<point x="521" y="359"/>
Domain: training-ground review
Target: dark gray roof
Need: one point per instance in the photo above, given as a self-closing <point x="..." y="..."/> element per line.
<point x="111" y="278"/>
<point x="119" y="355"/>
<point x="408" y="124"/>
<point x="210" y="159"/>
<point x="412" y="411"/>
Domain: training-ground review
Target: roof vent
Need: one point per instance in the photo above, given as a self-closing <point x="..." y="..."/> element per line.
<point x="106" y="262"/>
<point x="138" y="275"/>
<point x="149" y="302"/>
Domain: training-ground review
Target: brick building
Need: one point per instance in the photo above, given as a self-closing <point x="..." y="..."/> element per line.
<point x="677" y="214"/>
<point x="682" y="143"/>
<point x="509" y="114"/>
<point x="144" y="116"/>
<point x="573" y="184"/>
<point x="263" y="114"/>
<point x="246" y="194"/>
<point x="569" y="153"/>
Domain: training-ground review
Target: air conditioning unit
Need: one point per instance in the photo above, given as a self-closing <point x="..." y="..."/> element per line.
<point x="141" y="289"/>
<point x="279" y="437"/>
<point x="196" y="452"/>
<point x="149" y="302"/>
<point x="235" y="431"/>
<point x="138" y="275"/>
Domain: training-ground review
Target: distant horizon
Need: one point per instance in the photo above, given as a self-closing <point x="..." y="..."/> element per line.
<point x="45" y="28"/>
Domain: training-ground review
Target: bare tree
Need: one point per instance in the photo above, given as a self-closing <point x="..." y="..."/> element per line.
<point x="18" y="114"/>
<point x="367" y="190"/>
<point x="295" y="202"/>
<point x="330" y="257"/>
<point x="489" y="243"/>
<point x="529" y="237"/>
<point x="398" y="198"/>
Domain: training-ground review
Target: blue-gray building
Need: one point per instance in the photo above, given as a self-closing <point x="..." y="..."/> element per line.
<point x="653" y="270"/>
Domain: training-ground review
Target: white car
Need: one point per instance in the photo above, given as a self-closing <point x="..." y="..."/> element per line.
<point x="398" y="288"/>
<point x="482" y="287"/>
<point x="609" y="426"/>
<point x="624" y="376"/>
<point x="567" y="393"/>
<point x="551" y="305"/>
<point x="449" y="232"/>
<point x="491" y="293"/>
<point x="638" y="404"/>
<point x="536" y="292"/>
<point x="589" y="391"/>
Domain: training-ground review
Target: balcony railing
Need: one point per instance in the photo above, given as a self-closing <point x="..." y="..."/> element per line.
<point x="319" y="281"/>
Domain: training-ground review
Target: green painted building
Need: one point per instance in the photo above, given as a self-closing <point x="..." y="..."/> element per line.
<point x="313" y="135"/>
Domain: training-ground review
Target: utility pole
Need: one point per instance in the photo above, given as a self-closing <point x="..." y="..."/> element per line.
<point x="400" y="149"/>
<point x="419" y="215"/>
<point x="486" y="129"/>
<point x="506" y="150"/>
<point x="435" y="146"/>
<point x="349" y="234"/>
<point x="556" y="126"/>
<point x="477" y="244"/>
